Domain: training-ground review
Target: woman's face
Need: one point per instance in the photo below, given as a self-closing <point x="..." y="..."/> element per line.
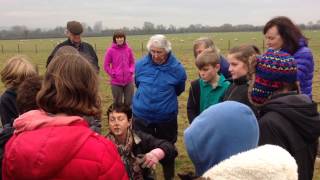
<point x="273" y="38"/>
<point x="159" y="55"/>
<point x="237" y="68"/>
<point x="119" y="124"/>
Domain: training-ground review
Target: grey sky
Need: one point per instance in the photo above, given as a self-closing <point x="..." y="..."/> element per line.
<point x="129" y="13"/>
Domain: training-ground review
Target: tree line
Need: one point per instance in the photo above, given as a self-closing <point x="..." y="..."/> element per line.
<point x="22" y="32"/>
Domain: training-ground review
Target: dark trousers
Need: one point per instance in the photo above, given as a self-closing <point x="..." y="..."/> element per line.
<point x="122" y="94"/>
<point x="168" y="131"/>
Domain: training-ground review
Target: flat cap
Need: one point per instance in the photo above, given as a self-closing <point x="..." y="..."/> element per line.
<point x="74" y="27"/>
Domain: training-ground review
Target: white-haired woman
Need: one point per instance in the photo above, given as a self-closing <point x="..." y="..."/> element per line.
<point x="160" y="79"/>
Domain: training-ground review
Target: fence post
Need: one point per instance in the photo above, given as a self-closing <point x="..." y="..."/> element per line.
<point x="95" y="47"/>
<point x="229" y="44"/>
<point x="18" y="48"/>
<point x="36" y="48"/>
<point x="2" y="48"/>
<point x="263" y="45"/>
<point x="141" y="48"/>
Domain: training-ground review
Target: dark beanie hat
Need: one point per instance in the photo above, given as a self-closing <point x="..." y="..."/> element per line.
<point x="74" y="27"/>
<point x="273" y="70"/>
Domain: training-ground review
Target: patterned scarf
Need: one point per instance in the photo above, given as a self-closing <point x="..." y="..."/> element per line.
<point x="131" y="162"/>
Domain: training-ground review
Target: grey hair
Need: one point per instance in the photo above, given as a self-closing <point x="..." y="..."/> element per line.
<point x="159" y="41"/>
<point x="207" y="42"/>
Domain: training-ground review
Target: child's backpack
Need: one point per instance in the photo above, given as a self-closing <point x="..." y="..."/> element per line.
<point x="5" y="135"/>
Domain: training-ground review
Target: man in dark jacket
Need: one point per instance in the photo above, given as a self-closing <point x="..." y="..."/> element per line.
<point x="73" y="32"/>
<point x="286" y="118"/>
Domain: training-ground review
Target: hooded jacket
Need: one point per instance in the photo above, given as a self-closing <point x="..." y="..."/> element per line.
<point x="119" y="64"/>
<point x="262" y="163"/>
<point x="59" y="147"/>
<point x="292" y="122"/>
<point x="219" y="132"/>
<point x="158" y="87"/>
<point x="305" y="65"/>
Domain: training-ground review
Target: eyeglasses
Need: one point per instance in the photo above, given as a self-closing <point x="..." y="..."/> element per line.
<point x="155" y="52"/>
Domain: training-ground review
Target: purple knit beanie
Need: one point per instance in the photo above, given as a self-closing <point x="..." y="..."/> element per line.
<point x="273" y="70"/>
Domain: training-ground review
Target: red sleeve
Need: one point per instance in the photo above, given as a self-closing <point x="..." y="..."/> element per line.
<point x="113" y="168"/>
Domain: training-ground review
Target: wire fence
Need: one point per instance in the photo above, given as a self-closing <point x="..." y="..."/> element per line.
<point x="180" y="47"/>
<point x="21" y="47"/>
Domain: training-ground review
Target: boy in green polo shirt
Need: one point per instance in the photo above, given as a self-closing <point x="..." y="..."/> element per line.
<point x="211" y="86"/>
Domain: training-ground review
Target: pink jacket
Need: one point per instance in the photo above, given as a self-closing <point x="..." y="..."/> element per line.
<point x="119" y="64"/>
<point x="59" y="147"/>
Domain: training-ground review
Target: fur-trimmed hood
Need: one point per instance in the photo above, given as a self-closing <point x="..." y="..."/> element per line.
<point x="263" y="163"/>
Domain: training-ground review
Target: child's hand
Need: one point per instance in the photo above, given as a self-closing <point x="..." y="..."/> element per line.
<point x="152" y="158"/>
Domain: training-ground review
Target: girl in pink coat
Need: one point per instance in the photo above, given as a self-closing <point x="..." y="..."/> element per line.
<point x="119" y="65"/>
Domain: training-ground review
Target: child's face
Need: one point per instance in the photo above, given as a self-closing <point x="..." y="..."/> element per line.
<point x="208" y="72"/>
<point x="119" y="124"/>
<point x="237" y="68"/>
<point x="120" y="40"/>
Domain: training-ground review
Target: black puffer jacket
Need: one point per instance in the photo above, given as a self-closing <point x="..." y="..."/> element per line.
<point x="292" y="122"/>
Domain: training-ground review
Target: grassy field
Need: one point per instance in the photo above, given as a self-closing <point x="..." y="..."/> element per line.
<point x="39" y="49"/>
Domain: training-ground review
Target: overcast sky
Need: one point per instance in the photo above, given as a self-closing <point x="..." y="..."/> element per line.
<point x="129" y="13"/>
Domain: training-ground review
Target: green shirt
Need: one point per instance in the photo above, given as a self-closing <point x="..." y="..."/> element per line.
<point x="210" y="96"/>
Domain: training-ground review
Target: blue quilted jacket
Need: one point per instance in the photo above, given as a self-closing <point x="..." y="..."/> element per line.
<point x="305" y="66"/>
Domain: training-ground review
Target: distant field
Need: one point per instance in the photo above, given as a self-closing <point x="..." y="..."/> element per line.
<point x="39" y="49"/>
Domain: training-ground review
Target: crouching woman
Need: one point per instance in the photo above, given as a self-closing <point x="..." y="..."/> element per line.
<point x="140" y="152"/>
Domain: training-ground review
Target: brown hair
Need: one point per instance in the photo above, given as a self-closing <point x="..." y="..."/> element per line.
<point x="289" y="32"/>
<point x="16" y="70"/>
<point x="244" y="53"/>
<point x="207" y="57"/>
<point x="66" y="50"/>
<point x="70" y="86"/>
<point x="120" y="108"/>
<point x="118" y="34"/>
<point x="207" y="42"/>
<point x="27" y="92"/>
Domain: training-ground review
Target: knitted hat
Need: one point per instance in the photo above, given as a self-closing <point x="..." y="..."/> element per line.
<point x="74" y="27"/>
<point x="273" y="70"/>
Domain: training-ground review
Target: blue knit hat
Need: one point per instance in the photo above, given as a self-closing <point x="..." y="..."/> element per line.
<point x="273" y="70"/>
<point x="220" y="131"/>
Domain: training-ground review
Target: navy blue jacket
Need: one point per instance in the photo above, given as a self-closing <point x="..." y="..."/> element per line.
<point x="8" y="107"/>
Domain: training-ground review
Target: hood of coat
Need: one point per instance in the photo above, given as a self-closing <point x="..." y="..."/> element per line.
<point x="116" y="46"/>
<point x="45" y="144"/>
<point x="219" y="132"/>
<point x="299" y="110"/>
<point x="257" y="164"/>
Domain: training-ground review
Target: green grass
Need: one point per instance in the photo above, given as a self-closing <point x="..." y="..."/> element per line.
<point x="39" y="49"/>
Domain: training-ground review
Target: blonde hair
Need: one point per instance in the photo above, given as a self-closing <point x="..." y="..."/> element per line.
<point x="16" y="70"/>
<point x="245" y="53"/>
<point x="207" y="42"/>
<point x="207" y="57"/>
